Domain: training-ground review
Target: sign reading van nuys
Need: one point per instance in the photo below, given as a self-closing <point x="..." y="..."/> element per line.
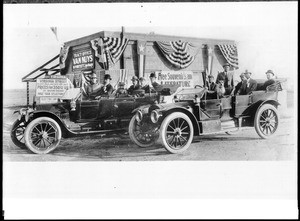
<point x="83" y="60"/>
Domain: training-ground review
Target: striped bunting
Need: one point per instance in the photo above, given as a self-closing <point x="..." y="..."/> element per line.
<point x="230" y="54"/>
<point x="109" y="50"/>
<point x="180" y="54"/>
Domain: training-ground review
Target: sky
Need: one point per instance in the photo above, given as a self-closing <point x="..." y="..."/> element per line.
<point x="265" y="32"/>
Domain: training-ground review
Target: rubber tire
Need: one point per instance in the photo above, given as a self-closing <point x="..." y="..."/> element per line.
<point x="257" y="116"/>
<point x="163" y="128"/>
<point x="13" y="137"/>
<point x="30" y="126"/>
<point x="133" y="138"/>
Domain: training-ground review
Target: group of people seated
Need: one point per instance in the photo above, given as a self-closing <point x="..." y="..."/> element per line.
<point x="224" y="84"/>
<point x="95" y="90"/>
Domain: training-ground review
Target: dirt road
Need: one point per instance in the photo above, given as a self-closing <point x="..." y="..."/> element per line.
<point x="244" y="146"/>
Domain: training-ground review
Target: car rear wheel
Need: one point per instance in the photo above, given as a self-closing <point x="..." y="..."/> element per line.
<point x="141" y="134"/>
<point x="266" y="121"/>
<point x="42" y="135"/>
<point x="17" y="133"/>
<point x="176" y="132"/>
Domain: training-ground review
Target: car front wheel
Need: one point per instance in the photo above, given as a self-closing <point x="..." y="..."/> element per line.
<point x="176" y="132"/>
<point x="42" y="135"/>
<point x="141" y="133"/>
<point x="266" y="121"/>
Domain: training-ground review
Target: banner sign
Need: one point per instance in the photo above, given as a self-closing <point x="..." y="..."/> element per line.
<point x="83" y="60"/>
<point x="184" y="78"/>
<point x="51" y="87"/>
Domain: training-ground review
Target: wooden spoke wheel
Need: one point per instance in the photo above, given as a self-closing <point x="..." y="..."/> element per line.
<point x="140" y="135"/>
<point x="176" y="132"/>
<point x="266" y="121"/>
<point x="17" y="134"/>
<point x="42" y="135"/>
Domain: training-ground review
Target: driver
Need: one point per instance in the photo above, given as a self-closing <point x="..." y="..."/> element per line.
<point x="91" y="90"/>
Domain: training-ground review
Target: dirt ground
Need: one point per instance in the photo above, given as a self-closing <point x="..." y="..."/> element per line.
<point x="244" y="146"/>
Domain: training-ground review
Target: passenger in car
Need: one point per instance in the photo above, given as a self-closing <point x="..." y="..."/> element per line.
<point x="211" y="88"/>
<point x="248" y="85"/>
<point x="211" y="85"/>
<point x="107" y="88"/>
<point x="228" y="76"/>
<point x="142" y="82"/>
<point x="92" y="89"/>
<point x="135" y="85"/>
<point x="237" y="88"/>
<point x="153" y="79"/>
<point x="220" y="88"/>
<point x="270" y="79"/>
<point x="121" y="89"/>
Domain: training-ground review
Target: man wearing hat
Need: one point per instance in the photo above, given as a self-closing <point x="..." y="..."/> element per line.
<point x="92" y="89"/>
<point x="248" y="85"/>
<point x="135" y="85"/>
<point x="153" y="81"/>
<point x="239" y="85"/>
<point x="211" y="85"/>
<point x="270" y="79"/>
<point x="228" y="76"/>
<point x="107" y="88"/>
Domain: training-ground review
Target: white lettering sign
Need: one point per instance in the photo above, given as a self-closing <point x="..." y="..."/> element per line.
<point x="51" y="87"/>
<point x="83" y="60"/>
<point x="184" y="78"/>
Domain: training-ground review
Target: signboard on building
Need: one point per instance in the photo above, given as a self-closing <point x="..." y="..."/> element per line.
<point x="184" y="78"/>
<point x="48" y="90"/>
<point x="83" y="59"/>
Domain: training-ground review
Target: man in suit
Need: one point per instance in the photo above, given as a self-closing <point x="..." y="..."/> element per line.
<point x="228" y="76"/>
<point x="211" y="85"/>
<point x="270" y="79"/>
<point x="107" y="88"/>
<point x="91" y="90"/>
<point x="135" y="85"/>
<point x="239" y="85"/>
<point x="248" y="85"/>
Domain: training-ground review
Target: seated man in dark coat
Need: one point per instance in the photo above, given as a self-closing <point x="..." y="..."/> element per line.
<point x="91" y="90"/>
<point x="107" y="88"/>
<point x="239" y="85"/>
<point x="270" y="77"/>
<point x="248" y="85"/>
<point x="135" y="85"/>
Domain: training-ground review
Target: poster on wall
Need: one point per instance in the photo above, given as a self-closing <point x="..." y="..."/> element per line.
<point x="83" y="59"/>
<point x="184" y="78"/>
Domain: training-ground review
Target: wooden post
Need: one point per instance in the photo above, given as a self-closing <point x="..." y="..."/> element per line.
<point x="27" y="93"/>
<point x="122" y="60"/>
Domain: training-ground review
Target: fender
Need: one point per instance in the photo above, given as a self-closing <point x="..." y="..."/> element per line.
<point x="65" y="131"/>
<point x="185" y="110"/>
<point x="251" y="110"/>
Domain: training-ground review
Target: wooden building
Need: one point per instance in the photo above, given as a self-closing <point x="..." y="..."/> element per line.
<point x="122" y="55"/>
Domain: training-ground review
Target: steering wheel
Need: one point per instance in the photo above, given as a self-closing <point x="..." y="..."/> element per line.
<point x="198" y="86"/>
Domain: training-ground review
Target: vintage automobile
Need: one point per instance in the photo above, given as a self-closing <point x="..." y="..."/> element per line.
<point x="176" y="119"/>
<point x="41" y="127"/>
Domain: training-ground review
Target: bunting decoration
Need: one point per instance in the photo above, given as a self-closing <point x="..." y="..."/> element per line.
<point x="63" y="56"/>
<point x="180" y="54"/>
<point x="108" y="50"/>
<point x="230" y="54"/>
